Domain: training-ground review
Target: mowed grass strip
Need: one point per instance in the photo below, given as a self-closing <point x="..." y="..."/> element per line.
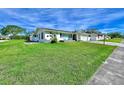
<point x="45" y="63"/>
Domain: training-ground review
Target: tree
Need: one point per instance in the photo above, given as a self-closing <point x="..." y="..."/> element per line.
<point x="83" y="31"/>
<point x="115" y="35"/>
<point x="90" y="31"/>
<point x="11" y="30"/>
<point x="27" y="34"/>
<point x="123" y="35"/>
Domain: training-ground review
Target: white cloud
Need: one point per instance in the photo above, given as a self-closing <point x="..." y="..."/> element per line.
<point x="106" y="30"/>
<point x="68" y="19"/>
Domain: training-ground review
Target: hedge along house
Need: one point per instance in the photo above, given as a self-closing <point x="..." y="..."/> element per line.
<point x="45" y="35"/>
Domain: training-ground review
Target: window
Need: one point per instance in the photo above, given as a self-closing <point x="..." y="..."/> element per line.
<point x="35" y="35"/>
<point x="51" y="36"/>
<point x="41" y="35"/>
<point x="70" y="35"/>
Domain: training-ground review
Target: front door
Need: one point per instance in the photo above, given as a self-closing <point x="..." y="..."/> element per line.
<point x="75" y="37"/>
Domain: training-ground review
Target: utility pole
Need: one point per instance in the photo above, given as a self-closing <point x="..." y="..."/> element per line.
<point x="76" y="30"/>
<point x="104" y="40"/>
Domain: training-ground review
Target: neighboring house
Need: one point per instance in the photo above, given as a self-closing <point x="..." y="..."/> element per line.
<point x="45" y="35"/>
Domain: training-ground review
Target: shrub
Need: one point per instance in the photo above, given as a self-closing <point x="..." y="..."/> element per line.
<point x="54" y="40"/>
<point x="28" y="39"/>
<point x="3" y="39"/>
<point x="61" y="41"/>
<point x="19" y="37"/>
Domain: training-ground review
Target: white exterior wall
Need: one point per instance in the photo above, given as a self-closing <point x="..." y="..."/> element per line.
<point x="93" y="38"/>
<point x="58" y="37"/>
<point x="101" y="37"/>
<point x="84" y="38"/>
<point x="47" y="36"/>
<point x="97" y="38"/>
<point x="89" y="38"/>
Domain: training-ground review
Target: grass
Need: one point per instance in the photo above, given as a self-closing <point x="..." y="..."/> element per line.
<point x="44" y="63"/>
<point x="116" y="40"/>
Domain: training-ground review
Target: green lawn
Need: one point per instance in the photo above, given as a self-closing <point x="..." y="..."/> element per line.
<point x="45" y="63"/>
<point x="116" y="40"/>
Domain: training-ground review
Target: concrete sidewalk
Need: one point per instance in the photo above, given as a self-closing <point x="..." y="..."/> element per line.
<point x="112" y="71"/>
<point x="3" y="40"/>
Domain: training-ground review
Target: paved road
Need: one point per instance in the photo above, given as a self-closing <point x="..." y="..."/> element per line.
<point x="108" y="43"/>
<point x="112" y="71"/>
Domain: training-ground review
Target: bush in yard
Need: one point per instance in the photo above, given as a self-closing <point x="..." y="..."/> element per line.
<point x="54" y="39"/>
<point x="61" y="41"/>
<point x="19" y="37"/>
<point x="28" y="39"/>
<point x="2" y="38"/>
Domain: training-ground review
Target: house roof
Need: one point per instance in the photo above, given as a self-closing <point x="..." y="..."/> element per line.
<point x="54" y="30"/>
<point x="62" y="31"/>
<point x="59" y="31"/>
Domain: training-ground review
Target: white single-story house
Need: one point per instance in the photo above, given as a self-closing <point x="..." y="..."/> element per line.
<point x="45" y="35"/>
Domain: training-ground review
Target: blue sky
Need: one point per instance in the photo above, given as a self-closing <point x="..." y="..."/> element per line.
<point x="69" y="19"/>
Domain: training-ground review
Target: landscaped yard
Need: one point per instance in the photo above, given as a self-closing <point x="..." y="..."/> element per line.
<point x="44" y="63"/>
<point x="116" y="40"/>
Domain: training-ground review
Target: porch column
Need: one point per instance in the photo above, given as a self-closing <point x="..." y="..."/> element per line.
<point x="77" y="37"/>
<point x="43" y="35"/>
